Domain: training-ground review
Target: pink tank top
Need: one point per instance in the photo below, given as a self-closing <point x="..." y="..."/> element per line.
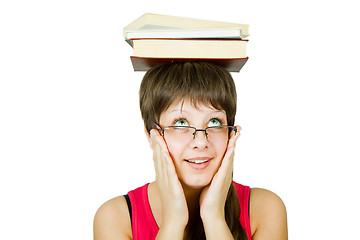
<point x="144" y="226"/>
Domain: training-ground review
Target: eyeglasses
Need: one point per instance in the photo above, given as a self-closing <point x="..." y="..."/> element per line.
<point x="187" y="133"/>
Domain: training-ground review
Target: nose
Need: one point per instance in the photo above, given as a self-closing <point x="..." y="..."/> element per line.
<point x="200" y="130"/>
<point x="200" y="140"/>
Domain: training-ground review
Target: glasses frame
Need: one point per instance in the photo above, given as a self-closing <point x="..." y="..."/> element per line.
<point x="232" y="128"/>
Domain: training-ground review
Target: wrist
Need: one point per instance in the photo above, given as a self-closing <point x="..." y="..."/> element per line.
<point x="173" y="222"/>
<point x="171" y="231"/>
<point x="212" y="216"/>
<point x="213" y="220"/>
<point x="217" y="229"/>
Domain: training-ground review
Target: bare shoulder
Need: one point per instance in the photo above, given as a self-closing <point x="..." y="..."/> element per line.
<point x="112" y="220"/>
<point x="268" y="216"/>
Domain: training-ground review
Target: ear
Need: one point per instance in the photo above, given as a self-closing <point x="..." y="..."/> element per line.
<point x="148" y="136"/>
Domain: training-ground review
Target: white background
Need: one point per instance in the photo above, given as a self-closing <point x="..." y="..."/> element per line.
<point x="71" y="135"/>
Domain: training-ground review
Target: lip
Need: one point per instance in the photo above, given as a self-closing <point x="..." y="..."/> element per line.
<point x="198" y="166"/>
<point x="198" y="158"/>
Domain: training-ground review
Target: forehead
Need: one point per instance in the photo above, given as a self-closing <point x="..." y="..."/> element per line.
<point x="188" y="106"/>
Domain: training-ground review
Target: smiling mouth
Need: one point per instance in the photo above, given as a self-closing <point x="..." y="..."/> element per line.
<point x="197" y="161"/>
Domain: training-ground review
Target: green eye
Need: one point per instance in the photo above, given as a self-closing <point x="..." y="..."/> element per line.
<point x="214" y="123"/>
<point x="181" y="122"/>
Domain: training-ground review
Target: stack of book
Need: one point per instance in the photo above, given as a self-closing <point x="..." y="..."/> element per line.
<point x="159" y="38"/>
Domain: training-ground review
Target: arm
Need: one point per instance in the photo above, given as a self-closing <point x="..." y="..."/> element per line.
<point x="112" y="220"/>
<point x="267" y="216"/>
<point x="173" y="202"/>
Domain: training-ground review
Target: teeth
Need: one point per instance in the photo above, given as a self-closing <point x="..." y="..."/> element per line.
<point x="197" y="161"/>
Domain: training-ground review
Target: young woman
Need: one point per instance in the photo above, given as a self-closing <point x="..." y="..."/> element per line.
<point x="189" y="111"/>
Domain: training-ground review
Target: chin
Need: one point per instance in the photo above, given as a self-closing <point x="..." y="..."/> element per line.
<point x="196" y="181"/>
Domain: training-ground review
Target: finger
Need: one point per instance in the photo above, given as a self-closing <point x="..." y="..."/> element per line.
<point x="169" y="163"/>
<point x="159" y="139"/>
<point x="157" y="156"/>
<point x="164" y="152"/>
<point x="164" y="160"/>
<point x="234" y="136"/>
<point x="169" y="169"/>
<point x="230" y="152"/>
<point x="172" y="177"/>
<point x="226" y="167"/>
<point x="227" y="163"/>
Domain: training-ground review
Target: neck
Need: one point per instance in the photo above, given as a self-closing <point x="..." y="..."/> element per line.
<point x="193" y="202"/>
<point x="192" y="198"/>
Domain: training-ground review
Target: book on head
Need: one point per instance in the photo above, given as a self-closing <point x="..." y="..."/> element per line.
<point x="159" y="38"/>
<point x="164" y="26"/>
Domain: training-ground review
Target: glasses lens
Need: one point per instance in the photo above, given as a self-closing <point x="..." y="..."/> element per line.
<point x="179" y="133"/>
<point x="185" y="134"/>
<point x="218" y="134"/>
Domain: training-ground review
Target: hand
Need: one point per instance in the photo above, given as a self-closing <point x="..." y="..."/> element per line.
<point x="213" y="196"/>
<point x="173" y="202"/>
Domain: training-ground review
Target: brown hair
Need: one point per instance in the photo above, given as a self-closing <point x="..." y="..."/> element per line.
<point x="200" y="81"/>
<point x="204" y="83"/>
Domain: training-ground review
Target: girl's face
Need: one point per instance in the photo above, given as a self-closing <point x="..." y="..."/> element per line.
<point x="196" y="160"/>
